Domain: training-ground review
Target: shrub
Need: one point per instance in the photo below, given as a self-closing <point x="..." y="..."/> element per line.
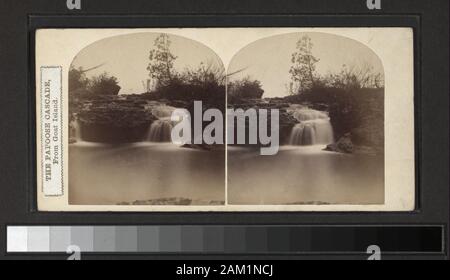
<point x="245" y="89"/>
<point x="104" y="85"/>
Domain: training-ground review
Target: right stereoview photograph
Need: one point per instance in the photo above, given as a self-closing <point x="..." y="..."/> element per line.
<point x="328" y="94"/>
<point x="227" y="119"/>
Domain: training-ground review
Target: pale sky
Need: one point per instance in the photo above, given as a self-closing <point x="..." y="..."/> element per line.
<point x="267" y="60"/>
<point x="127" y="56"/>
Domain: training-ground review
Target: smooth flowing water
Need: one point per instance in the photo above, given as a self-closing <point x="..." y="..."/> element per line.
<point x="314" y="127"/>
<point x="161" y="129"/>
<point x="304" y="175"/>
<point x="102" y="174"/>
<point x="75" y="125"/>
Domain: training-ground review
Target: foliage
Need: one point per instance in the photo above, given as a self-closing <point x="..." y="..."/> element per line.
<point x="161" y="62"/>
<point x="80" y="85"/>
<point x="212" y="93"/>
<point x="203" y="82"/>
<point x="245" y="89"/>
<point x="303" y="69"/>
<point x="359" y="112"/>
<point x="304" y="76"/>
<point x="77" y="79"/>
<point x="204" y="74"/>
<point x="353" y="77"/>
<point x="104" y="85"/>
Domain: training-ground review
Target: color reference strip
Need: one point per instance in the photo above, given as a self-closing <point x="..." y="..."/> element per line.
<point x="224" y="239"/>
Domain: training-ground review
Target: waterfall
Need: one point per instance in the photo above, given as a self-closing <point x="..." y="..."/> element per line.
<point x="76" y="130"/>
<point x="161" y="129"/>
<point x="314" y="127"/>
<point x="162" y="111"/>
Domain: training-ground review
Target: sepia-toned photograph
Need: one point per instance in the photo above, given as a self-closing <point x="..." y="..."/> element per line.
<point x="122" y="94"/>
<point x="330" y="93"/>
<point x="178" y="130"/>
<point x="225" y="119"/>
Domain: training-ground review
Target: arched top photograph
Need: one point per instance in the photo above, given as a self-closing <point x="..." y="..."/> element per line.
<point x="329" y="91"/>
<point x="293" y="63"/>
<point x="142" y="62"/>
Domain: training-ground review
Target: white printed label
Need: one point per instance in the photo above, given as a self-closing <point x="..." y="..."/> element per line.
<point x="51" y="131"/>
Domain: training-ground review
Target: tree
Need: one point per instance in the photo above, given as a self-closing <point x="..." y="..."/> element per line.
<point x="245" y="89"/>
<point x="303" y="69"/>
<point x="205" y="74"/>
<point x="355" y="77"/>
<point x="161" y="62"/>
<point x="79" y="83"/>
<point x="104" y="85"/>
<point x="78" y="79"/>
<point x="291" y="88"/>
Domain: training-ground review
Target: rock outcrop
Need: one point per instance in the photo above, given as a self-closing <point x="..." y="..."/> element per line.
<point x="112" y="119"/>
<point x="343" y="145"/>
<point x="286" y="120"/>
<point x="179" y="201"/>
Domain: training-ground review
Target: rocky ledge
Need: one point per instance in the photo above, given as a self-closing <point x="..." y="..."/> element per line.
<point x="287" y="121"/>
<point x="177" y="201"/>
<point x="345" y="145"/>
<point x="113" y="122"/>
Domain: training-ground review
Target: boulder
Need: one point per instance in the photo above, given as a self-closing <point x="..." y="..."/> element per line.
<point x="343" y="145"/>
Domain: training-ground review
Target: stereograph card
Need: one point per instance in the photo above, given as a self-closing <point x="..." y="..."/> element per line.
<point x="268" y="119"/>
<point x="232" y="130"/>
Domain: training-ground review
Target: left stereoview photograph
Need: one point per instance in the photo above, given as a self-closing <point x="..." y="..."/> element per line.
<point x="126" y="95"/>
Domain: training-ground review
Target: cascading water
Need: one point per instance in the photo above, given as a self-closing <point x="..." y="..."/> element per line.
<point x="161" y="129"/>
<point x="163" y="111"/>
<point x="314" y="127"/>
<point x="76" y="130"/>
